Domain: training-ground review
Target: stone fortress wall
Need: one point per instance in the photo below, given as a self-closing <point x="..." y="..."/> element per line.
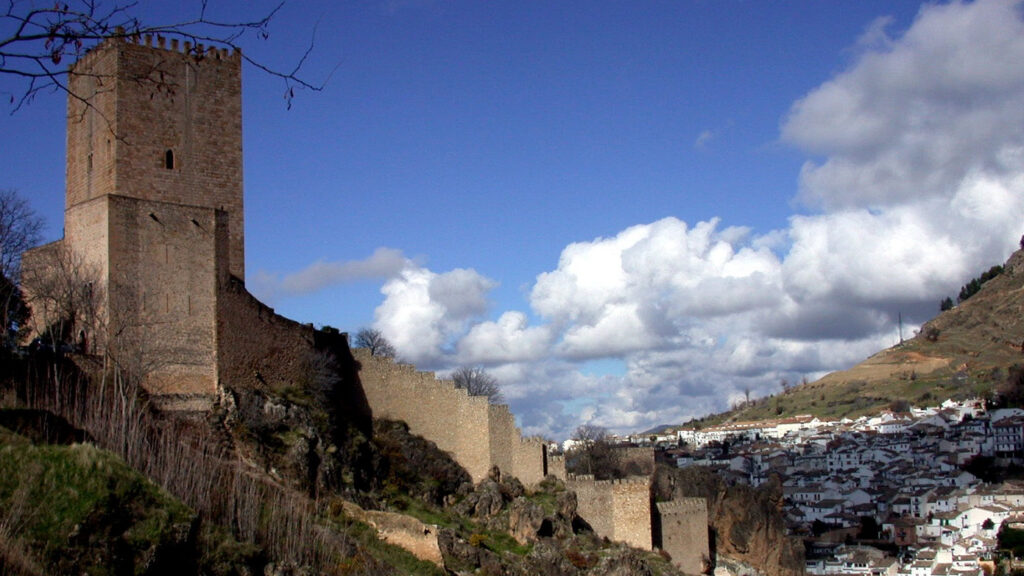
<point x="479" y="435"/>
<point x="682" y="527"/>
<point x="162" y="123"/>
<point x="616" y="509"/>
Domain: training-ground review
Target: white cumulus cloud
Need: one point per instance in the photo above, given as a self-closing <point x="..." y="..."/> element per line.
<point x="914" y="183"/>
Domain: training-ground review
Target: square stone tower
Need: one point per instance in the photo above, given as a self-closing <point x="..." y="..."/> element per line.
<point x="153" y="211"/>
<point x="162" y="124"/>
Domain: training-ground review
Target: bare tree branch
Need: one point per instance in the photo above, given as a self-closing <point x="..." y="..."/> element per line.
<point x="375" y="342"/>
<point x="36" y="44"/>
<point x="19" y="230"/>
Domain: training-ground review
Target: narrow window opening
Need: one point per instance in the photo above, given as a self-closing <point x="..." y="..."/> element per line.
<point x="169" y="160"/>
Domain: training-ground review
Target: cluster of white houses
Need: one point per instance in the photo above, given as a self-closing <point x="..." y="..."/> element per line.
<point x="854" y="488"/>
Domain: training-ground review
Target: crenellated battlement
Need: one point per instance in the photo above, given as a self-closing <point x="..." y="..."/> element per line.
<point x="683" y="506"/>
<point x="631" y="480"/>
<point x="198" y="50"/>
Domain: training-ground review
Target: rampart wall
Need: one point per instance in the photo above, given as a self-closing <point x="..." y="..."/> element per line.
<point x="617" y="509"/>
<point x="259" y="348"/>
<point x="682" y="526"/>
<point x="418" y="538"/>
<point x="478" y="435"/>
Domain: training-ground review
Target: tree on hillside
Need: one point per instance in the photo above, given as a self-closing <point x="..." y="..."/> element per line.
<point x="478" y="382"/>
<point x="974" y="286"/>
<point x="1010" y="392"/>
<point x="375" y="342"/>
<point x="39" y="40"/>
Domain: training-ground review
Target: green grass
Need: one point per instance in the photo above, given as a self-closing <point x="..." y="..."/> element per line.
<point x="48" y="494"/>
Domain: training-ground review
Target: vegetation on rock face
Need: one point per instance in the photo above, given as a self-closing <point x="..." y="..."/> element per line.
<point x="497" y="526"/>
<point x="410" y="465"/>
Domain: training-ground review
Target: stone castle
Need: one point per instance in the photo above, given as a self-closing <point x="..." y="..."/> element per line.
<point x="154" y="227"/>
<point x="153" y="222"/>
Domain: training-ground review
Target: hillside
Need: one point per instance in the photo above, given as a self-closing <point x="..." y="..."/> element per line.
<point x="962" y="352"/>
<point x="104" y="485"/>
<point x="76" y="508"/>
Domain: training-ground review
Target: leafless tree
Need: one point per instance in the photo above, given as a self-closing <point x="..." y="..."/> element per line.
<point x="478" y="382"/>
<point x="593" y="453"/>
<point x="40" y="39"/>
<point x="590" y="434"/>
<point x="65" y="292"/>
<point x="375" y="342"/>
<point x="19" y="231"/>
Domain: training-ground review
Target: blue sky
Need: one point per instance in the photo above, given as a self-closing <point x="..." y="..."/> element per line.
<point x="630" y="212"/>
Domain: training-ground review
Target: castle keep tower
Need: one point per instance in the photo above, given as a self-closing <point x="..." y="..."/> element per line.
<point x="158" y="124"/>
<point x="153" y="211"/>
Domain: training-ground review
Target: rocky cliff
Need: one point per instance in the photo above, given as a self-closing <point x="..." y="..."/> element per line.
<point x="746" y="524"/>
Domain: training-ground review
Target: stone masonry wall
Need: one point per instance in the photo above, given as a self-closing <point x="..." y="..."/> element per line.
<point x="162" y="292"/>
<point x="529" y="459"/>
<point x="259" y="348"/>
<point x="155" y="267"/>
<point x="683" y="528"/>
<point x="617" y="509"/>
<point x="477" y="434"/>
<point x="501" y="427"/>
<point x="556" y="466"/>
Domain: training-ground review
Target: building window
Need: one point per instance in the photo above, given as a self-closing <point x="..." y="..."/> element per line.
<point x="169" y="160"/>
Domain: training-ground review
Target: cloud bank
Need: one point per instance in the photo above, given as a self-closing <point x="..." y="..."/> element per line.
<point x="914" y="182"/>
